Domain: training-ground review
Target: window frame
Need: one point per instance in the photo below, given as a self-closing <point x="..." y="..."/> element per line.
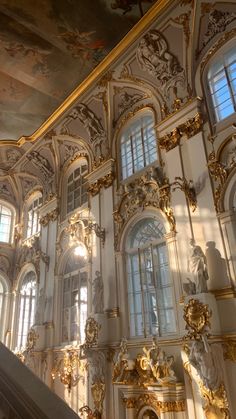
<point x="69" y="276"/>
<point x="64" y="186"/>
<point x="139" y="115"/>
<point x="220" y="55"/>
<point x="12" y="212"/>
<point x="36" y="196"/>
<point x="4" y="306"/>
<point x="155" y="243"/>
<point x="25" y="298"/>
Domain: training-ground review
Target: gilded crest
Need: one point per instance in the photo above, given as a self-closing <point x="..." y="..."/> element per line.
<point x="91" y="332"/>
<point x="197" y="316"/>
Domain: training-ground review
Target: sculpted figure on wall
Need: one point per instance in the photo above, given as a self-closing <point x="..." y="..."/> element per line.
<point x="98" y="298"/>
<point x="39" y="312"/>
<point x="90" y="121"/>
<point x="159" y="363"/>
<point x="153" y="56"/>
<point x="40" y="162"/>
<point x="197" y="267"/>
<point x="204" y="358"/>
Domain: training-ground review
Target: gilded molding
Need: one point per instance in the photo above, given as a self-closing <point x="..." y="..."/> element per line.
<point x="224" y="293"/>
<point x="113" y="313"/>
<point x="130" y="403"/>
<point x="105" y="79"/>
<point x="160" y="406"/>
<point x="132" y="113"/>
<point x="223" y="39"/>
<point x="216" y="402"/>
<point x="229" y="348"/>
<point x="51" y="216"/>
<point x="219" y="172"/>
<point x="67" y="368"/>
<point x="188" y="129"/>
<point x="117" y="51"/>
<point x="98" y="395"/>
<point x="104" y="182"/>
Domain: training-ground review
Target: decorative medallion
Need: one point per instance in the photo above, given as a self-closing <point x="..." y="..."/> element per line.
<point x="91" y="332"/>
<point x="197" y="316"/>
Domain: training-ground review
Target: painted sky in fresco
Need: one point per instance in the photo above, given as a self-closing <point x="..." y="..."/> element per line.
<point x="48" y="47"/>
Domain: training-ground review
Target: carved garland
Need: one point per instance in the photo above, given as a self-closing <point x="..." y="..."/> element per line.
<point x="190" y="128"/>
<point x="145" y="191"/>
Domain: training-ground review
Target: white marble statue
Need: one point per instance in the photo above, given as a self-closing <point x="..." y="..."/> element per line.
<point x="197" y="267"/>
<point x="206" y="360"/>
<point x="98" y="298"/>
<point x="39" y="312"/>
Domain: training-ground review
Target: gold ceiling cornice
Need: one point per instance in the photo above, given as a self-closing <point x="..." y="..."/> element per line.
<point x="114" y="55"/>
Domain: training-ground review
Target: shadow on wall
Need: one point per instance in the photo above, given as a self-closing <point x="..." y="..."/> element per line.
<point x="217" y="269"/>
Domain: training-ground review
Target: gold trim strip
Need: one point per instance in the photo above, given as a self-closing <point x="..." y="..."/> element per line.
<point x="113" y="56"/>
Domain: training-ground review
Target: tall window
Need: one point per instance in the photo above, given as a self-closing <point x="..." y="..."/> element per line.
<point x="138" y="145"/>
<point x="74" y="306"/>
<point x="222" y="84"/>
<point x="33" y="225"/>
<point x="77" y="188"/>
<point x="149" y="283"/>
<point x="1" y="302"/>
<point x="26" y="308"/>
<point x="5" y="224"/>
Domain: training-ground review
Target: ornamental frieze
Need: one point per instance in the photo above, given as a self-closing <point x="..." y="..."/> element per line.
<point x="145" y="191"/>
<point x="188" y="129"/>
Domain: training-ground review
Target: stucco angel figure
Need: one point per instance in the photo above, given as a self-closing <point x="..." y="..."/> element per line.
<point x="197" y="266"/>
<point x="123" y="364"/>
<point x="159" y="363"/>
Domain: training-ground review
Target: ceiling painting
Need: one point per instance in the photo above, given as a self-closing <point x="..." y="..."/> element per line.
<point x="48" y="47"/>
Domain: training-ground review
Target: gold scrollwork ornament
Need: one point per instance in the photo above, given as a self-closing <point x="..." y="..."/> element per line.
<point x="197" y="316"/>
<point x="91" y="332"/>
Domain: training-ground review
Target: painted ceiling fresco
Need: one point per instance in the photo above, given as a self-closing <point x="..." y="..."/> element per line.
<point x="48" y="47"/>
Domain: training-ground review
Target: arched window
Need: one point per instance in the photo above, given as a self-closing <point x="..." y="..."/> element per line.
<point x="33" y="226"/>
<point x="77" y="188"/>
<point x="74" y="301"/>
<point x="6" y="224"/>
<point x="221" y="78"/>
<point x="150" y="291"/>
<point x="138" y="146"/>
<point x="26" y="307"/>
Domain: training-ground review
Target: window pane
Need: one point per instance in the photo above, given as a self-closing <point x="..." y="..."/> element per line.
<point x="150" y="293"/>
<point x="77" y="188"/>
<point x="5" y="224"/>
<point x="222" y="83"/>
<point x="74" y="304"/>
<point x="138" y="146"/>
